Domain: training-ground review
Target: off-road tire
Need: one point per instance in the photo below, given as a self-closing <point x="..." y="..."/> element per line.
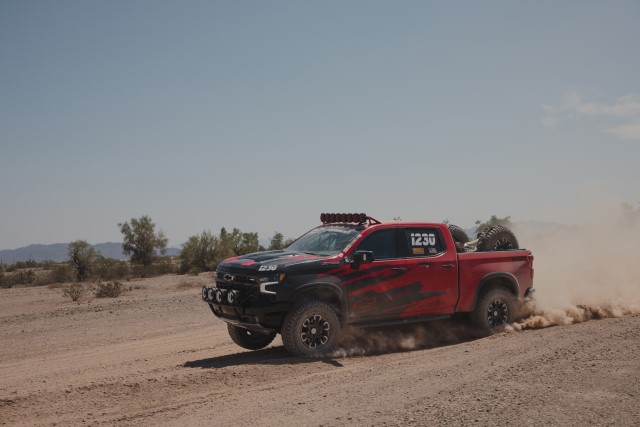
<point x="494" y="309"/>
<point x="250" y="340"/>
<point x="497" y="238"/>
<point x="458" y="234"/>
<point x="311" y="329"/>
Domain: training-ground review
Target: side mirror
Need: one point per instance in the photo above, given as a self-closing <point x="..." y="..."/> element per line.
<point x="362" y="257"/>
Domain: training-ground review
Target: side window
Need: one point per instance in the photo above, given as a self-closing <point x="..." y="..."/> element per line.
<point x="423" y="242"/>
<point x="382" y="243"/>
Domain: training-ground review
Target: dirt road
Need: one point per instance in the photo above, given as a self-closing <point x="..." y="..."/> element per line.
<point x="156" y="356"/>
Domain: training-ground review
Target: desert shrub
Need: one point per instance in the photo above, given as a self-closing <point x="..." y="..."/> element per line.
<point x="43" y="278"/>
<point x="111" y="269"/>
<point x="23" y="277"/>
<point x="164" y="265"/>
<point x="74" y="291"/>
<point x="158" y="268"/>
<point x="19" y="265"/>
<point x="62" y="273"/>
<point x="4" y="282"/>
<point x="48" y="264"/>
<point x="109" y="290"/>
<point x="198" y="253"/>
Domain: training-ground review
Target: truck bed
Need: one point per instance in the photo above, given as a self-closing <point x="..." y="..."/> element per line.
<point x="482" y="266"/>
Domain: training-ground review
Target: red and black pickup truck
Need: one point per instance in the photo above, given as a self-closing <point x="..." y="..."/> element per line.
<point x="355" y="270"/>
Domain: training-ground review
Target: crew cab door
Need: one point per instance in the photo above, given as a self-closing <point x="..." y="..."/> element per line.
<point x="379" y="289"/>
<point x="432" y="270"/>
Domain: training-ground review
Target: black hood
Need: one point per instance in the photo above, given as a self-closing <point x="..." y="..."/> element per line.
<point x="272" y="261"/>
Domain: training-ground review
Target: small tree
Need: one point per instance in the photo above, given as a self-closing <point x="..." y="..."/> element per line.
<point x="199" y="252"/>
<point x="247" y="244"/>
<point x="141" y="241"/>
<point x="82" y="257"/>
<point x="236" y="243"/>
<point x="279" y="242"/>
<point x="226" y="243"/>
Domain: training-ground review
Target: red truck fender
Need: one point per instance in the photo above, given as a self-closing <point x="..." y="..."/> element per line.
<point x="496" y="280"/>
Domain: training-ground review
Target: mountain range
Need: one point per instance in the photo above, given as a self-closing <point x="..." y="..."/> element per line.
<point x="58" y="252"/>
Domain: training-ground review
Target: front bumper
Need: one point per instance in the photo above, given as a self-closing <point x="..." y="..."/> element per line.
<point x="261" y="314"/>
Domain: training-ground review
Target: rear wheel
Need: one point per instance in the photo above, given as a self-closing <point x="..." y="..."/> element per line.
<point x="250" y="340"/>
<point x="311" y="329"/>
<point x="494" y="309"/>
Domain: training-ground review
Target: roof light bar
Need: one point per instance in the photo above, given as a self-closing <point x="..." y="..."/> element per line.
<point x="327" y="218"/>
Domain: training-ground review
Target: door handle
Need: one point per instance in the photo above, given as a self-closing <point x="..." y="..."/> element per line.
<point x="448" y="266"/>
<point x="425" y="264"/>
<point x="398" y="268"/>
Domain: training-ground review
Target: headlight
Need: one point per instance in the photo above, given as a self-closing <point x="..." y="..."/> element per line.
<point x="270" y="279"/>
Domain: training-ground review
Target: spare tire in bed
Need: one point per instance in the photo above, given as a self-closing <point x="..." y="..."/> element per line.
<point x="497" y="238"/>
<point x="458" y="234"/>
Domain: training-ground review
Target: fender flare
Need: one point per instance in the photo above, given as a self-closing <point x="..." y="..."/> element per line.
<point x="484" y="283"/>
<point x="333" y="288"/>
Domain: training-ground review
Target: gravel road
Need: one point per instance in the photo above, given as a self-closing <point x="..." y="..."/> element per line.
<point x="157" y="356"/>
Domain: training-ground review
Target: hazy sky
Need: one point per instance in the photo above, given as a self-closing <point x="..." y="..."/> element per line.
<point x="263" y="114"/>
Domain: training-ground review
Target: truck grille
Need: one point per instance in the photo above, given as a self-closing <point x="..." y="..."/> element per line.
<point x="248" y="285"/>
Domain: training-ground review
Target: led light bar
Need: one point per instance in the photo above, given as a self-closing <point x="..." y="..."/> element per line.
<point x="358" y="218"/>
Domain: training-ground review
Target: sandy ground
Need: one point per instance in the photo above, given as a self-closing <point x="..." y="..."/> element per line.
<point x="157" y="356"/>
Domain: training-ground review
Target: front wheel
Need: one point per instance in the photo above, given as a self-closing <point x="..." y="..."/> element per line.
<point x="493" y="310"/>
<point x="311" y="329"/>
<point x="250" y="340"/>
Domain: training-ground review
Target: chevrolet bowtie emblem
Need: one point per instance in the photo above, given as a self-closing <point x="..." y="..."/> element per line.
<point x="228" y="277"/>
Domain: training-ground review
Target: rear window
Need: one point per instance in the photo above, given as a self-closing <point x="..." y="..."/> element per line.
<point x="423" y="242"/>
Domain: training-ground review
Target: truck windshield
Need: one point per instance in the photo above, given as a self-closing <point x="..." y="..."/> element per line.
<point x="326" y="240"/>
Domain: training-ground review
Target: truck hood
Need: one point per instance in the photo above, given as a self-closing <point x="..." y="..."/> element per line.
<point x="272" y="261"/>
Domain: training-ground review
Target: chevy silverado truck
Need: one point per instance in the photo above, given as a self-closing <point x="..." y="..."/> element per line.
<point x="355" y="270"/>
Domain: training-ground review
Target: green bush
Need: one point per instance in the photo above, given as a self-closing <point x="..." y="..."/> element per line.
<point x="111" y="269"/>
<point x="62" y="273"/>
<point x="30" y="264"/>
<point x="23" y="277"/>
<point x="24" y="265"/>
<point x="153" y="270"/>
<point x="199" y="253"/>
<point x="204" y="252"/>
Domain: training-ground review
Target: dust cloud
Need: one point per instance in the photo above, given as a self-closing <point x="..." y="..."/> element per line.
<point x="360" y="342"/>
<point x="584" y="272"/>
